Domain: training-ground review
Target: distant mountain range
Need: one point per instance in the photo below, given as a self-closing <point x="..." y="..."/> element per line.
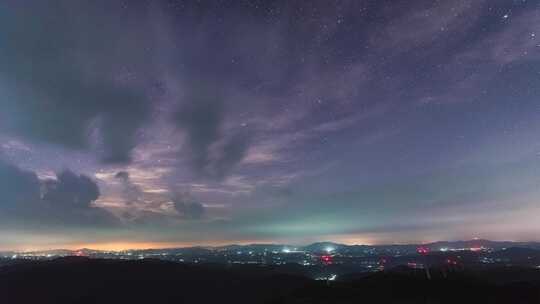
<point x="315" y="247"/>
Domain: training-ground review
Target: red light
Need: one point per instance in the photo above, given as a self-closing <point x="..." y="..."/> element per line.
<point x="422" y="250"/>
<point x="326" y="259"/>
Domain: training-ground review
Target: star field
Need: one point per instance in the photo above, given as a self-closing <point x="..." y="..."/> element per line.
<point x="202" y="122"/>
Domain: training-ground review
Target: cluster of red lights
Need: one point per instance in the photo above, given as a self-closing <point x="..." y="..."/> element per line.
<point x="422" y="250"/>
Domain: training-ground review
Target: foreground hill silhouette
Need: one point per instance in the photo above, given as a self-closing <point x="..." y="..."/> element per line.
<point x="82" y="280"/>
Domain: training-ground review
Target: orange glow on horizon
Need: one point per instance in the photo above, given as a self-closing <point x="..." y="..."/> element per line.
<point x="120" y="246"/>
<point x="348" y="239"/>
<point x="111" y="246"/>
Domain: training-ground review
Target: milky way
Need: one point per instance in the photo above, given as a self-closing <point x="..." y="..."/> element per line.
<point x="186" y="122"/>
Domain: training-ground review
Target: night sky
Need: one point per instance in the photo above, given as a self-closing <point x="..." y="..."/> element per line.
<point x="171" y="123"/>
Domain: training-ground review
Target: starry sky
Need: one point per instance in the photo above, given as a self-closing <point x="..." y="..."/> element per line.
<point x="168" y="123"/>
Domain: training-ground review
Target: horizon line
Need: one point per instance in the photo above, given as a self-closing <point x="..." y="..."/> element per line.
<point x="108" y="246"/>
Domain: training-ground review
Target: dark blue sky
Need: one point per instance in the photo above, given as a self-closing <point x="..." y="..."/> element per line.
<point x="159" y="123"/>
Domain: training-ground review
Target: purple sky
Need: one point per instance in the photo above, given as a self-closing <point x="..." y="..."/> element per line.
<point x="179" y="122"/>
